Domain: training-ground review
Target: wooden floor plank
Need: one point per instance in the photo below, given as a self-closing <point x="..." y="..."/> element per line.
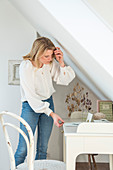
<point x="84" y="166"/>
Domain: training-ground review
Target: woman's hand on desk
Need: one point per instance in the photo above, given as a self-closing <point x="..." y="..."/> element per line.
<point x="57" y="119"/>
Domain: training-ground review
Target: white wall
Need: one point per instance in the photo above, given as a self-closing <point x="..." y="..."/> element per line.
<point x="103" y="8"/>
<point x="16" y="37"/>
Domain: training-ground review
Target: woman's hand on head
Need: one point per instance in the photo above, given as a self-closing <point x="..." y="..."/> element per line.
<point x="57" y="119"/>
<point x="59" y="56"/>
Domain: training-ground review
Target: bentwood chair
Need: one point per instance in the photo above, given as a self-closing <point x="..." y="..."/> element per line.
<point x="31" y="163"/>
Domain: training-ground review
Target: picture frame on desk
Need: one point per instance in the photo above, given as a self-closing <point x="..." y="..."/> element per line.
<point x="106" y="107"/>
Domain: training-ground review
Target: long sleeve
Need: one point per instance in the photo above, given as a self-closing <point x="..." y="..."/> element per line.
<point x="62" y="75"/>
<point x="27" y="83"/>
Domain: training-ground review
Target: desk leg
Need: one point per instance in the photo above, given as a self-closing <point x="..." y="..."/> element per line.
<point x="64" y="149"/>
<point x="111" y="162"/>
<point x="71" y="152"/>
<point x="71" y="162"/>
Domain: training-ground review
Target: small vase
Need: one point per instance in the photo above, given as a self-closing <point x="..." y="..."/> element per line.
<point x="77" y="115"/>
<point x="84" y="115"/>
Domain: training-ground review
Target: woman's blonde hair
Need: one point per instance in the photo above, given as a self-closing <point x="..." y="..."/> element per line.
<point x="40" y="45"/>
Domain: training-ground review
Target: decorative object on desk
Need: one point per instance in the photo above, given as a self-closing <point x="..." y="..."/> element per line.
<point x="89" y="117"/>
<point x="76" y="115"/>
<point x="78" y="100"/>
<point x="105" y="106"/>
<point x="98" y="116"/>
<point x="101" y="121"/>
<point x="13" y="72"/>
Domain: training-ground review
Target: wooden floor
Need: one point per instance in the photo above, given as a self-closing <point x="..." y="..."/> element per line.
<point x="84" y="166"/>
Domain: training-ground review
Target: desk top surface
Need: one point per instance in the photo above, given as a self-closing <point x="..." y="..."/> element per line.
<point x="77" y="128"/>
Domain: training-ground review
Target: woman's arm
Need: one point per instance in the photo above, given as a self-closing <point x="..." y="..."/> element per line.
<point x="57" y="119"/>
<point x="62" y="75"/>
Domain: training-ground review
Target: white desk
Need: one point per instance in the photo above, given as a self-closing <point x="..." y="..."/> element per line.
<point x="93" y="138"/>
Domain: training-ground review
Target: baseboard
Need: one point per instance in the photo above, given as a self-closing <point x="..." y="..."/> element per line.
<point x="84" y="166"/>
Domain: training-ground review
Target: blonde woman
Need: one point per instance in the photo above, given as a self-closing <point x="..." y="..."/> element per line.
<point x="37" y="71"/>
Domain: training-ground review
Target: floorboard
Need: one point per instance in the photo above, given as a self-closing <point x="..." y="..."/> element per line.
<point x="84" y="166"/>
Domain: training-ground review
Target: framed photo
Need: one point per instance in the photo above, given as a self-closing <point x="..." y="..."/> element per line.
<point x="105" y="106"/>
<point x="13" y="72"/>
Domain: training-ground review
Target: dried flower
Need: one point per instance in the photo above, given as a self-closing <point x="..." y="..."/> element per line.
<point x="78" y="100"/>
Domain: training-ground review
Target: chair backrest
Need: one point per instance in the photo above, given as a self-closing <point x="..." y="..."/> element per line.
<point x="29" y="142"/>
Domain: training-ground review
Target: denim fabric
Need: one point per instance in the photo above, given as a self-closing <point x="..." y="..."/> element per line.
<point x="45" y="124"/>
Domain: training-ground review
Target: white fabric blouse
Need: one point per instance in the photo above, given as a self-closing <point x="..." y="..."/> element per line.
<point x="36" y="84"/>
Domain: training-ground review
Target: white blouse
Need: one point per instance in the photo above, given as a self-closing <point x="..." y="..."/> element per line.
<point x="36" y="84"/>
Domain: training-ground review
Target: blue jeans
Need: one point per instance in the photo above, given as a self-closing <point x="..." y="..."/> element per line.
<point x="45" y="124"/>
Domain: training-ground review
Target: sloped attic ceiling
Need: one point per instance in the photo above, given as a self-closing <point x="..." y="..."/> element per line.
<point x="104" y="10"/>
<point x="87" y="41"/>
